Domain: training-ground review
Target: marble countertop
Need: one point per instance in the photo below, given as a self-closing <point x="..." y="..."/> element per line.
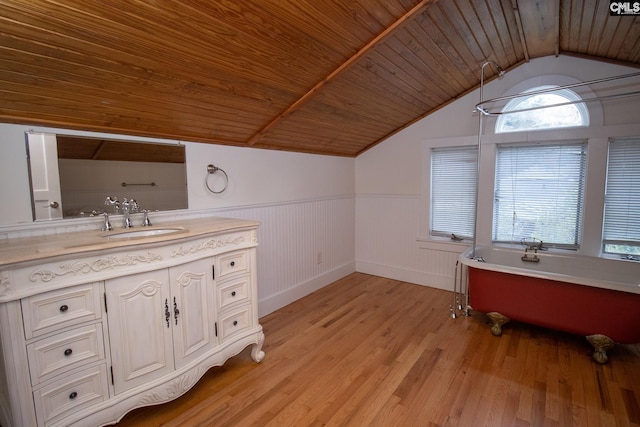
<point x="25" y="249"/>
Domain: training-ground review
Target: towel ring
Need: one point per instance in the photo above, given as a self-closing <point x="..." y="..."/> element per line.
<point x="210" y="171"/>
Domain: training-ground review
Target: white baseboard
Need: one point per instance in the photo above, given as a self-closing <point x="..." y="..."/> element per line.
<point x="277" y="301"/>
<point x="274" y="302"/>
<point x="406" y="275"/>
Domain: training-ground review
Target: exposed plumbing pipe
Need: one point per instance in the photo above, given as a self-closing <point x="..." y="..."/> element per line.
<point x="501" y="73"/>
<point x="480" y="108"/>
<point x="457" y="291"/>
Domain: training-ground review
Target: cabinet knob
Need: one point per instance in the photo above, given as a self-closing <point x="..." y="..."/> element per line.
<point x="233" y="294"/>
<point x="235" y="323"/>
<point x="233" y="263"/>
<point x="64" y="307"/>
<point x="68" y="352"/>
<point x="73" y="395"/>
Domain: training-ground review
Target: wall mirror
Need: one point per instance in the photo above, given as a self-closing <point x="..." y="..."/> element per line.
<point x="71" y="176"/>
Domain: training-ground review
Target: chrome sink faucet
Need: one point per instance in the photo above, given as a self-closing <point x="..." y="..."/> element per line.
<point x="146" y="222"/>
<point x="107" y="225"/>
<point x="110" y="201"/>
<point x="128" y="207"/>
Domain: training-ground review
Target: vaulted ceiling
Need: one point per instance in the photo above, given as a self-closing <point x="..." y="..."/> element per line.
<point x="320" y="76"/>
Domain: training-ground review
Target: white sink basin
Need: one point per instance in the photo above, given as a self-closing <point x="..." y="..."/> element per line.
<point x="149" y="232"/>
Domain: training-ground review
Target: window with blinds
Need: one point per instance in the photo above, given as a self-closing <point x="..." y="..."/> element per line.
<point x="539" y="193"/>
<point x="621" y="231"/>
<point x="453" y="191"/>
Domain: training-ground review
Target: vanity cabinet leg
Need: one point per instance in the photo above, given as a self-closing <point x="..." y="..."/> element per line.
<point x="256" y="351"/>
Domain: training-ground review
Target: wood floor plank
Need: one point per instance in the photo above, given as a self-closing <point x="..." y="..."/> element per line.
<point x="370" y="351"/>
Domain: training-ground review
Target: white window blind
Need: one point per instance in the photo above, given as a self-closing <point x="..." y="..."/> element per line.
<point x="621" y="231"/>
<point x="453" y="191"/>
<point x="539" y="193"/>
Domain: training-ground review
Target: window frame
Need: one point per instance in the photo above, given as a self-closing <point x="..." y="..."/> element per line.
<point x="617" y="188"/>
<point x="540" y="172"/>
<point x="470" y="180"/>
<point x="597" y="135"/>
<point x="513" y="107"/>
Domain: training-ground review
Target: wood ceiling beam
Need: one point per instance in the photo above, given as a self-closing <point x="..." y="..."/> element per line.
<point x="399" y="23"/>
<point x="556" y="18"/>
<point x="99" y="149"/>
<point x="523" y="40"/>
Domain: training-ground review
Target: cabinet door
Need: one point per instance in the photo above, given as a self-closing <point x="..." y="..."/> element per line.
<point x="192" y="293"/>
<point x="140" y="334"/>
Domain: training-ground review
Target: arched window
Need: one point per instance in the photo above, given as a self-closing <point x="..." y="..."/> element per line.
<point x="524" y="113"/>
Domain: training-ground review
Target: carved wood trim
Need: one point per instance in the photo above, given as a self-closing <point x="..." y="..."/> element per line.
<point x="96" y="266"/>
<point x="205" y="245"/>
<point x="5" y="284"/>
<point x="175" y="387"/>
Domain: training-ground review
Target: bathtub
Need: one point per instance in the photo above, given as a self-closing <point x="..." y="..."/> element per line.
<point x="595" y="297"/>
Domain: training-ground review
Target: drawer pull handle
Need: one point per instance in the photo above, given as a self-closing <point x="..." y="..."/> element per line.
<point x="233" y="263"/>
<point x="73" y="395"/>
<point x="64" y="308"/>
<point x="176" y="312"/>
<point x="167" y="313"/>
<point x="235" y="323"/>
<point x="68" y="352"/>
<point x="233" y="294"/>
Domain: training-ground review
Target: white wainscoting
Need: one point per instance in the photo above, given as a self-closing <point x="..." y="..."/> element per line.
<point x="302" y="245"/>
<point x="306" y="245"/>
<point x="387" y="229"/>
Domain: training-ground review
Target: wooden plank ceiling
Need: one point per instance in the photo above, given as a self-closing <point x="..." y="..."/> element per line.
<point x="320" y="76"/>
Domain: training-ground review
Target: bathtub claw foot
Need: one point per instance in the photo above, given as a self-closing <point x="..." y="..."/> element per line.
<point x="497" y="320"/>
<point x="601" y="343"/>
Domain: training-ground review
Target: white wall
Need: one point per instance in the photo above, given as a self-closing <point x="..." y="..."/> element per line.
<point x="14" y="178"/>
<point x="305" y="203"/>
<point x="392" y="178"/>
<point x="265" y="176"/>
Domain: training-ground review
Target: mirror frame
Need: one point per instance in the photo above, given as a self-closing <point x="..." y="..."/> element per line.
<point x="122" y="152"/>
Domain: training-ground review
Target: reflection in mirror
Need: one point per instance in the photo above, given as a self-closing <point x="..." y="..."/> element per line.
<point x="71" y="176"/>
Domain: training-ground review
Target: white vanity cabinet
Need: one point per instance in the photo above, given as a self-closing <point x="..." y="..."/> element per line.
<point x="88" y="335"/>
<point x="159" y="321"/>
<point x="233" y="298"/>
<point x="66" y="355"/>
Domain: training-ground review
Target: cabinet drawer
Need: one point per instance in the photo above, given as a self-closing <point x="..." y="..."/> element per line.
<point x="235" y="291"/>
<point x="232" y="263"/>
<point x="73" y="392"/>
<point x="65" y="351"/>
<point x="50" y="311"/>
<point x="235" y="321"/>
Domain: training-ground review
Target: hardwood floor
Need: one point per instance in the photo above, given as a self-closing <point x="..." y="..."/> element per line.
<point x="369" y="351"/>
